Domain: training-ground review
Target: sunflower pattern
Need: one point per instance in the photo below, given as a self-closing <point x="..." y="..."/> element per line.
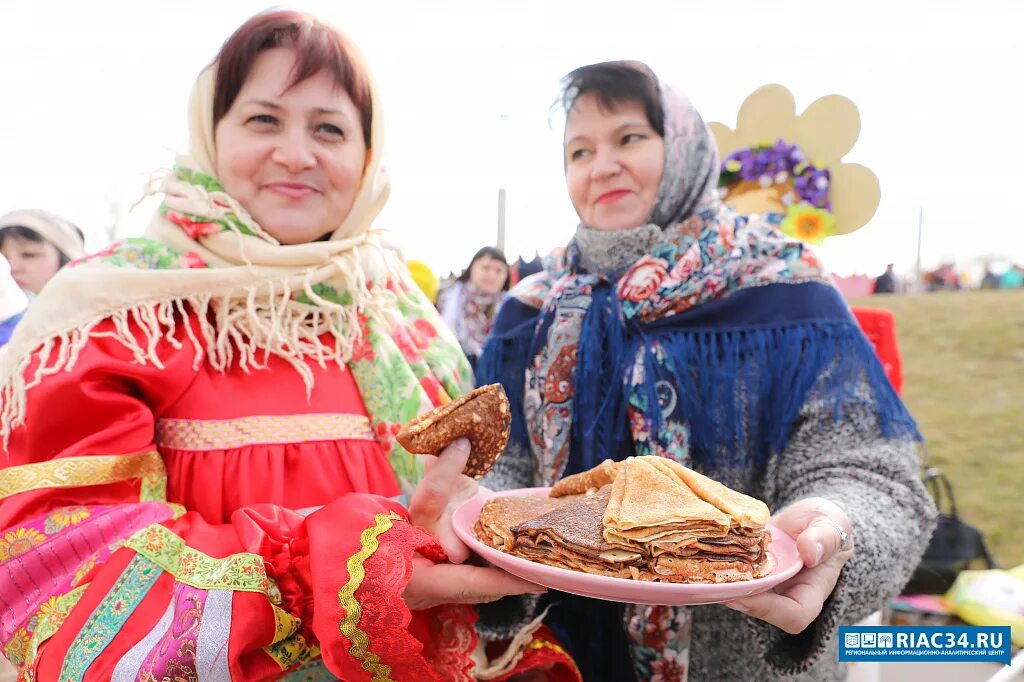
<point x="17" y="647"/>
<point x="778" y="162"/>
<point x="46" y="610"/>
<point x="17" y="542"/>
<point x="23" y="645"/>
<point x="67" y="516"/>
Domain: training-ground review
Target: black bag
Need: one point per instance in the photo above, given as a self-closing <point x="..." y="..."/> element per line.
<point x="954" y="546"/>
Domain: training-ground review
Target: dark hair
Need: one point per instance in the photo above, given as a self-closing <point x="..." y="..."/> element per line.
<point x="33" y="236"/>
<point x="318" y="47"/>
<point x="614" y="83"/>
<point x="489" y="252"/>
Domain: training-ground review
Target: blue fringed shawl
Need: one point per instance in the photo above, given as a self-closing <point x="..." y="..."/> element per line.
<point x="742" y="368"/>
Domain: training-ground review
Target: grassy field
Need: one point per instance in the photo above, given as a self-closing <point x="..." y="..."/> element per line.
<point x="963" y="370"/>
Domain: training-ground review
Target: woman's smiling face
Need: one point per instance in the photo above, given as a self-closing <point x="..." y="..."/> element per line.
<point x="614" y="160"/>
<point x="292" y="156"/>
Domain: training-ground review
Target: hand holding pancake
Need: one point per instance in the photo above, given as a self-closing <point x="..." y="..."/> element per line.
<point x="440" y="493"/>
<point x="815" y="524"/>
<point x="467" y="435"/>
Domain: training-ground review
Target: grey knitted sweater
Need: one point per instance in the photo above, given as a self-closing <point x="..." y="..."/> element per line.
<point x="874" y="480"/>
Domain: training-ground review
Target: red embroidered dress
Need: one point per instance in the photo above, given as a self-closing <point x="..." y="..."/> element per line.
<point x="153" y="528"/>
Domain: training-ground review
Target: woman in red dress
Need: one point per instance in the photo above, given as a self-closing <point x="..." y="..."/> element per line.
<point x="201" y="480"/>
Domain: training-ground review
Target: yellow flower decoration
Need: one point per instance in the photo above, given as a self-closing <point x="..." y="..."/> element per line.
<point x="68" y="516"/>
<point x="808" y="224"/>
<point x="48" y="606"/>
<point x="17" y="542"/>
<point x="17" y="647"/>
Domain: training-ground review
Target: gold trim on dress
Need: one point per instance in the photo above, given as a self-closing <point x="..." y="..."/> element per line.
<point x="289" y="647"/>
<point x="349" y="626"/>
<point x="72" y="472"/>
<point x="545" y="644"/>
<point x="225" y="434"/>
<point x="242" y="571"/>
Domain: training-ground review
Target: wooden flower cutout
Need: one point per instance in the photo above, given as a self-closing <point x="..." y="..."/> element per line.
<point x="778" y="162"/>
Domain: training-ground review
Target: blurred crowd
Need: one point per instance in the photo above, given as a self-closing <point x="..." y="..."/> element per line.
<point x="469" y="301"/>
<point x="950" y="277"/>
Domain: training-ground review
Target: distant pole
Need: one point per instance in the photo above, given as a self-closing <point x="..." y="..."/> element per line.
<point x="919" y="280"/>
<point x="501" y="219"/>
<point x="502" y="178"/>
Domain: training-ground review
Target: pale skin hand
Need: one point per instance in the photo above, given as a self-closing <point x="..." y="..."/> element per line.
<point x="441" y="491"/>
<point x="794" y="604"/>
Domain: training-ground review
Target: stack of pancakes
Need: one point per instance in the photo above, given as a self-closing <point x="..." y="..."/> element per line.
<point x="645" y="518"/>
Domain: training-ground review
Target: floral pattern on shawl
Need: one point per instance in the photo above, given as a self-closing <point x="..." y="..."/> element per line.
<point x="661" y="642"/>
<point x="478" y="310"/>
<point x="406" y="363"/>
<point x="728" y="254"/>
<point x="404" y="372"/>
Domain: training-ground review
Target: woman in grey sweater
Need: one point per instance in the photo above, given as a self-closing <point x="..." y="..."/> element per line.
<point x="677" y="328"/>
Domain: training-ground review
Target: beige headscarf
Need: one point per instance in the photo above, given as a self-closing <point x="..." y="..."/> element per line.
<point x="245" y="296"/>
<point x="54" y="229"/>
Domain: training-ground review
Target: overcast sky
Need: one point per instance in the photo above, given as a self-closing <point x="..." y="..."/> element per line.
<point x="94" y="99"/>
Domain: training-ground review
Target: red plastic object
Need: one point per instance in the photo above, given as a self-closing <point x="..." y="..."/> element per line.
<point x="880" y="327"/>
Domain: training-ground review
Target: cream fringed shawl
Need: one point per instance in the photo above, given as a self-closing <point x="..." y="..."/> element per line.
<point x="253" y="297"/>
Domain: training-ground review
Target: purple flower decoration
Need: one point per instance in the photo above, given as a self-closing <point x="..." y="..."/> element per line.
<point x="776" y="164"/>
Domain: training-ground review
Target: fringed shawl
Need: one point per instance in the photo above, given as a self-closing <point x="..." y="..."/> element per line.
<point x="740" y="370"/>
<point x="704" y="349"/>
<point x="348" y="300"/>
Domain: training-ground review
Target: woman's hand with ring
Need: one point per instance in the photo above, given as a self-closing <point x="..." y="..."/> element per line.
<point x="823" y="535"/>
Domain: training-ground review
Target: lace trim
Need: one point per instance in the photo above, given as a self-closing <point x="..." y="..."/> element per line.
<point x="349" y="626"/>
<point x="225" y="434"/>
<point x="71" y="472"/>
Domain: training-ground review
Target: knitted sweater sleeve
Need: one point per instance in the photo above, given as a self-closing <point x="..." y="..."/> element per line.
<point x="876" y="482"/>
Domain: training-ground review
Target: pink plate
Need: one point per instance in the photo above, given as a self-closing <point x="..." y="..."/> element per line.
<point x="782" y="548"/>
